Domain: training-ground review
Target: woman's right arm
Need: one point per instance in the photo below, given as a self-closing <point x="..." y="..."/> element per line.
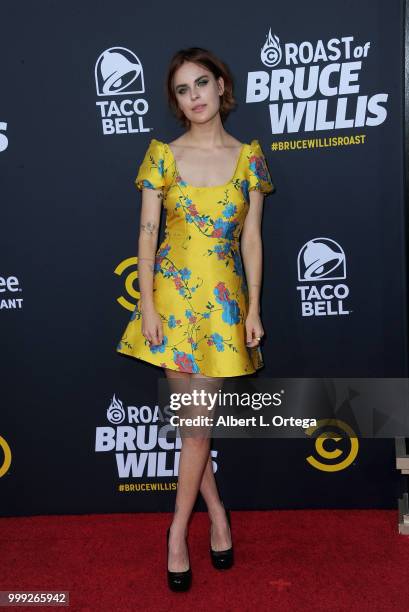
<point x="147" y="246"/>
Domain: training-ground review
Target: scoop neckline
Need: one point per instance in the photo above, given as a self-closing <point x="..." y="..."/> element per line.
<point x="243" y="145"/>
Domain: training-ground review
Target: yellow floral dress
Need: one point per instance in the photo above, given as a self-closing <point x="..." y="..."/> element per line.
<point x="199" y="286"/>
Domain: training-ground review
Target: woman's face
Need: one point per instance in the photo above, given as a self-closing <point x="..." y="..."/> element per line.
<point x="197" y="92"/>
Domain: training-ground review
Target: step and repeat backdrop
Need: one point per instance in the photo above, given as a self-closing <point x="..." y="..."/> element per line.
<point x="320" y="85"/>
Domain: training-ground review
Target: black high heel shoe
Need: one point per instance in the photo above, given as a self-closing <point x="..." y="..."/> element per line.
<point x="223" y="559"/>
<point x="178" y="581"/>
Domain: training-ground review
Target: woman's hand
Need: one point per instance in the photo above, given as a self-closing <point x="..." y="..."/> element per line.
<point x="254" y="329"/>
<point x="152" y="327"/>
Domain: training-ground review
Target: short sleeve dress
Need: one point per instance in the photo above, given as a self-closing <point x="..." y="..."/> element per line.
<point x="199" y="286"/>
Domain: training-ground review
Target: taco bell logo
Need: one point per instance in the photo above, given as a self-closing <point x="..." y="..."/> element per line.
<point x="119" y="72"/>
<point x="321" y="260"/>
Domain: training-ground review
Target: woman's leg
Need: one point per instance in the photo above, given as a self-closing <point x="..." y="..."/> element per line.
<point x="193" y="457"/>
<point x="220" y="529"/>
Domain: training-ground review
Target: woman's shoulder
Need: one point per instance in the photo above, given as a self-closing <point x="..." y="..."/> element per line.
<point x="156" y="144"/>
<point x="255" y="150"/>
<point x="254" y="144"/>
<point x="251" y="148"/>
<point x="153" y="168"/>
<point x="157" y="150"/>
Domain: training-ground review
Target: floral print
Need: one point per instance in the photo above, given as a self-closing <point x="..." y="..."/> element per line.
<point x="199" y="286"/>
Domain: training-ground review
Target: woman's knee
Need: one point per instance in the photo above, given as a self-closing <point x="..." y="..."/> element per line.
<point x="196" y="439"/>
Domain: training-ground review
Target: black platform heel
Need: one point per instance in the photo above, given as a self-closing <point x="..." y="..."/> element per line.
<point x="223" y="559"/>
<point x="178" y="581"/>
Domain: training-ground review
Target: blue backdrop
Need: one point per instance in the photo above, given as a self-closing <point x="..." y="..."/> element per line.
<point x="321" y="86"/>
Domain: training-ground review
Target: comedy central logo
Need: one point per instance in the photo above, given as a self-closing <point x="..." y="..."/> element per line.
<point x="271" y="53"/>
<point x="336" y="448"/>
<point x="119" y="72"/>
<point x="5" y="461"/>
<point x="321" y="260"/>
<point x="127" y="269"/>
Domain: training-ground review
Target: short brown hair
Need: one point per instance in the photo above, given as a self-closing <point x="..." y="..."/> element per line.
<point x="207" y="59"/>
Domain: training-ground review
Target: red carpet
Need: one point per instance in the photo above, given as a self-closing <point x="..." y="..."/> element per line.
<point x="315" y="560"/>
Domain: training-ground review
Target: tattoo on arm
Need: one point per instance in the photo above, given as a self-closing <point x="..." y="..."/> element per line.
<point x="149" y="227"/>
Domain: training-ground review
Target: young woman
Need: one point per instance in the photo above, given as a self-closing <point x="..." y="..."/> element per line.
<point x="198" y="316"/>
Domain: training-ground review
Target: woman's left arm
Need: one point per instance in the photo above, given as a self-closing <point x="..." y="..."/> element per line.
<point x="252" y="254"/>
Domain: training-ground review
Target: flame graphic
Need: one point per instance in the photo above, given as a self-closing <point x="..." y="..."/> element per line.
<point x="271" y="53"/>
<point x="115" y="412"/>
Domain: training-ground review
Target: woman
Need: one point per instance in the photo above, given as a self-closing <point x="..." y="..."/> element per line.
<point x="198" y="315"/>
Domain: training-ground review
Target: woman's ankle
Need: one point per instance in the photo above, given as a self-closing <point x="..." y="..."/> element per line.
<point x="179" y="529"/>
